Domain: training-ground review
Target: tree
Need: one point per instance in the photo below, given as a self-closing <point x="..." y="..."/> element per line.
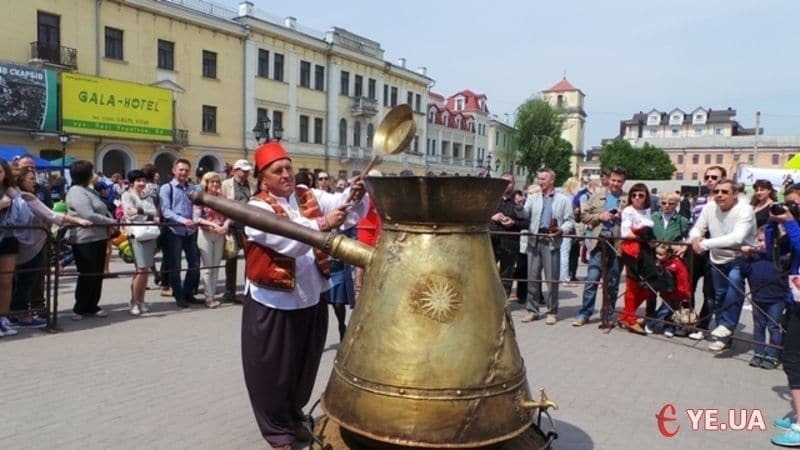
<point x="538" y="138"/>
<point x="645" y="163"/>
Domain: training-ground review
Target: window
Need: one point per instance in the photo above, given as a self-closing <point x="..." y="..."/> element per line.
<point x="370" y="134"/>
<point x="344" y="83"/>
<point x="460" y="104"/>
<point x="698" y="131"/>
<point x="277" y="67"/>
<point x="166" y="55"/>
<point x="305" y="74"/>
<point x="319" y="78"/>
<point x="209" y="64"/>
<point x="113" y="43"/>
<point x="695" y="159"/>
<point x="653" y="131"/>
<point x="719" y="159"/>
<point x="560" y="101"/>
<point x="418" y="103"/>
<point x="775" y="159"/>
<point x="789" y="156"/>
<point x="676" y="131"/>
<point x="209" y="119"/>
<point x="751" y="158"/>
<point x="707" y="159"/>
<point x="416" y="144"/>
<point x="263" y="63"/>
<point x="385" y="95"/>
<point x="393" y="98"/>
<point x="357" y="134"/>
<point x="678" y="175"/>
<point x="317" y="130"/>
<point x="342" y="133"/>
<point x="497" y="138"/>
<point x="694" y="176"/>
<point x="718" y="131"/>
<point x="698" y="117"/>
<point x="736" y="157"/>
<point x="303" y="128"/>
<point x="358" y="88"/>
<point x="409" y="98"/>
<point x="261" y="115"/>
<point x="371" y="89"/>
<point x="277" y="120"/>
<point x="680" y="159"/>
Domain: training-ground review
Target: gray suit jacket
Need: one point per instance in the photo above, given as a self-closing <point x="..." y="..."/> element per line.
<point x="562" y="212"/>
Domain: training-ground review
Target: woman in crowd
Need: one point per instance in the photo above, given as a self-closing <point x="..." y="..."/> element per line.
<point x="31" y="258"/>
<point x="88" y="244"/>
<point x="151" y="191"/>
<point x="764" y="196"/>
<point x="13" y="212"/>
<point x="139" y="207"/>
<point x="211" y="237"/>
<point x="635" y="218"/>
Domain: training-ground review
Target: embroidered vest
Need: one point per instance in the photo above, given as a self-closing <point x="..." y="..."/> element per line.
<point x="266" y="267"/>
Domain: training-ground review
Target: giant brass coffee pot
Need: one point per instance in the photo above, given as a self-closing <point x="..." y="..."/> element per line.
<point x="430" y="357"/>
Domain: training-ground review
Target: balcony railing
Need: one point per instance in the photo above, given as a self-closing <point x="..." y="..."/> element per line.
<point x="58" y="55"/>
<point x="348" y="153"/>
<point x="364" y="106"/>
<point x="180" y="137"/>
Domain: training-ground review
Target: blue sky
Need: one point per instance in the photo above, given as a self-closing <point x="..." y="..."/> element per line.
<point x="626" y="56"/>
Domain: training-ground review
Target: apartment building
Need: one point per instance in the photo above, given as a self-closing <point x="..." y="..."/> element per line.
<point x="215" y="73"/>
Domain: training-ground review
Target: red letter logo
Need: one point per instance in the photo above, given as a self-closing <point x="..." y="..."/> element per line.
<point x="667" y="414"/>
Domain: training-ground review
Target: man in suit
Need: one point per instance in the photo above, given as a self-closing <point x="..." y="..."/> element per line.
<point x="602" y="216"/>
<point x="550" y="215"/>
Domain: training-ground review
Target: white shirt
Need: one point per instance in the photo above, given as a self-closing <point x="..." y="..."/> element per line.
<point x="729" y="230"/>
<point x="633" y="219"/>
<point x="309" y="282"/>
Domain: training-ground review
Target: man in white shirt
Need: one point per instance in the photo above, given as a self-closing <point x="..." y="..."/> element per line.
<point x="284" y="324"/>
<point x="730" y="224"/>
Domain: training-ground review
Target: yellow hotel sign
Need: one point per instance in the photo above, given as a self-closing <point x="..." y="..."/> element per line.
<point x="103" y="107"/>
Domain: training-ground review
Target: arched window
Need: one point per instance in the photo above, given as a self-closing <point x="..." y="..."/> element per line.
<point x="370" y="134"/>
<point x="560" y="101"/>
<point x="343" y="132"/>
<point x="357" y="134"/>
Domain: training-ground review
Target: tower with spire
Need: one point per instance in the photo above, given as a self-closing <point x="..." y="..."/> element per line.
<point x="570" y="99"/>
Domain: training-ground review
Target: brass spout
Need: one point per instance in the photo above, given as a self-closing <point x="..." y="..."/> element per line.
<point x="336" y="245"/>
<point x="544" y="402"/>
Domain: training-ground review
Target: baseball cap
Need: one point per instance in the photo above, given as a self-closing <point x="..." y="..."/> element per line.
<point x="242" y="164"/>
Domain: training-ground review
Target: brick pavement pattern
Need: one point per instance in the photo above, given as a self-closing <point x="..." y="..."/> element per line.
<point x="172" y="379"/>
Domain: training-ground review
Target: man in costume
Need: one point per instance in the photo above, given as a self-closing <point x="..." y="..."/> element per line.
<point x="284" y="324"/>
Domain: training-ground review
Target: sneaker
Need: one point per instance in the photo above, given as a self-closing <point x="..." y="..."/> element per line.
<point x="551" y="319"/>
<point x="211" y="304"/>
<point x="135" y="311"/>
<point x="647" y="330"/>
<point x="144" y="308"/>
<point x="6" y="328"/>
<point x="669" y="333"/>
<point x="76" y="317"/>
<point x="681" y="332"/>
<point x="194" y="300"/>
<point x="100" y="313"/>
<point x="770" y="363"/>
<point x="698" y="335"/>
<point x="784" y="423"/>
<point x="166" y="292"/>
<point x="717" y="346"/>
<point x="790" y="438"/>
<point x="756" y="362"/>
<point x="530" y="317"/>
<point x="33" y="322"/>
<point x="721" y="332"/>
<point x="579" y="322"/>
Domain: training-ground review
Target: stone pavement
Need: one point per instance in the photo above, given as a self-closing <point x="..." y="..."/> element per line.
<point x="172" y="379"/>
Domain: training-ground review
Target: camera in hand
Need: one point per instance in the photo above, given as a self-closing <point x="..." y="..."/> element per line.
<point x="778" y="208"/>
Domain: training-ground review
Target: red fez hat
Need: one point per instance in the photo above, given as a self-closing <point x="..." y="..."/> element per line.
<point x="268" y="153"/>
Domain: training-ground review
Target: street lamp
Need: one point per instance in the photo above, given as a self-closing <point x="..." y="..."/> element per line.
<point x="261" y="130"/>
<point x="64" y="139"/>
<point x="277" y="132"/>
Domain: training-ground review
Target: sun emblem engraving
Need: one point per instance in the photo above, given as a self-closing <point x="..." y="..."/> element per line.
<point x="436" y="298"/>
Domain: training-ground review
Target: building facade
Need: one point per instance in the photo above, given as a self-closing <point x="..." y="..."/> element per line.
<point x="700" y="138"/>
<point x="225" y="69"/>
<point x="569" y="99"/>
<point x="458" y="134"/>
<point x="501" y="146"/>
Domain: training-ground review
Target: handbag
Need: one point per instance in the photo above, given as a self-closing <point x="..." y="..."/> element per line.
<point x="231" y="249"/>
<point x="684" y="316"/>
<point x="145" y="232"/>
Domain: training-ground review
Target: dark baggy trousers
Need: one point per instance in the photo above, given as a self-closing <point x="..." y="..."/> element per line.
<point x="281" y="353"/>
<point x="90" y="259"/>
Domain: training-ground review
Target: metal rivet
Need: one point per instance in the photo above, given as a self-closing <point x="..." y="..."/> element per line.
<point x="458" y="392"/>
<point x="504" y="385"/>
<point x="355" y="380"/>
<point x="436" y="227"/>
<point x="402" y="391"/>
